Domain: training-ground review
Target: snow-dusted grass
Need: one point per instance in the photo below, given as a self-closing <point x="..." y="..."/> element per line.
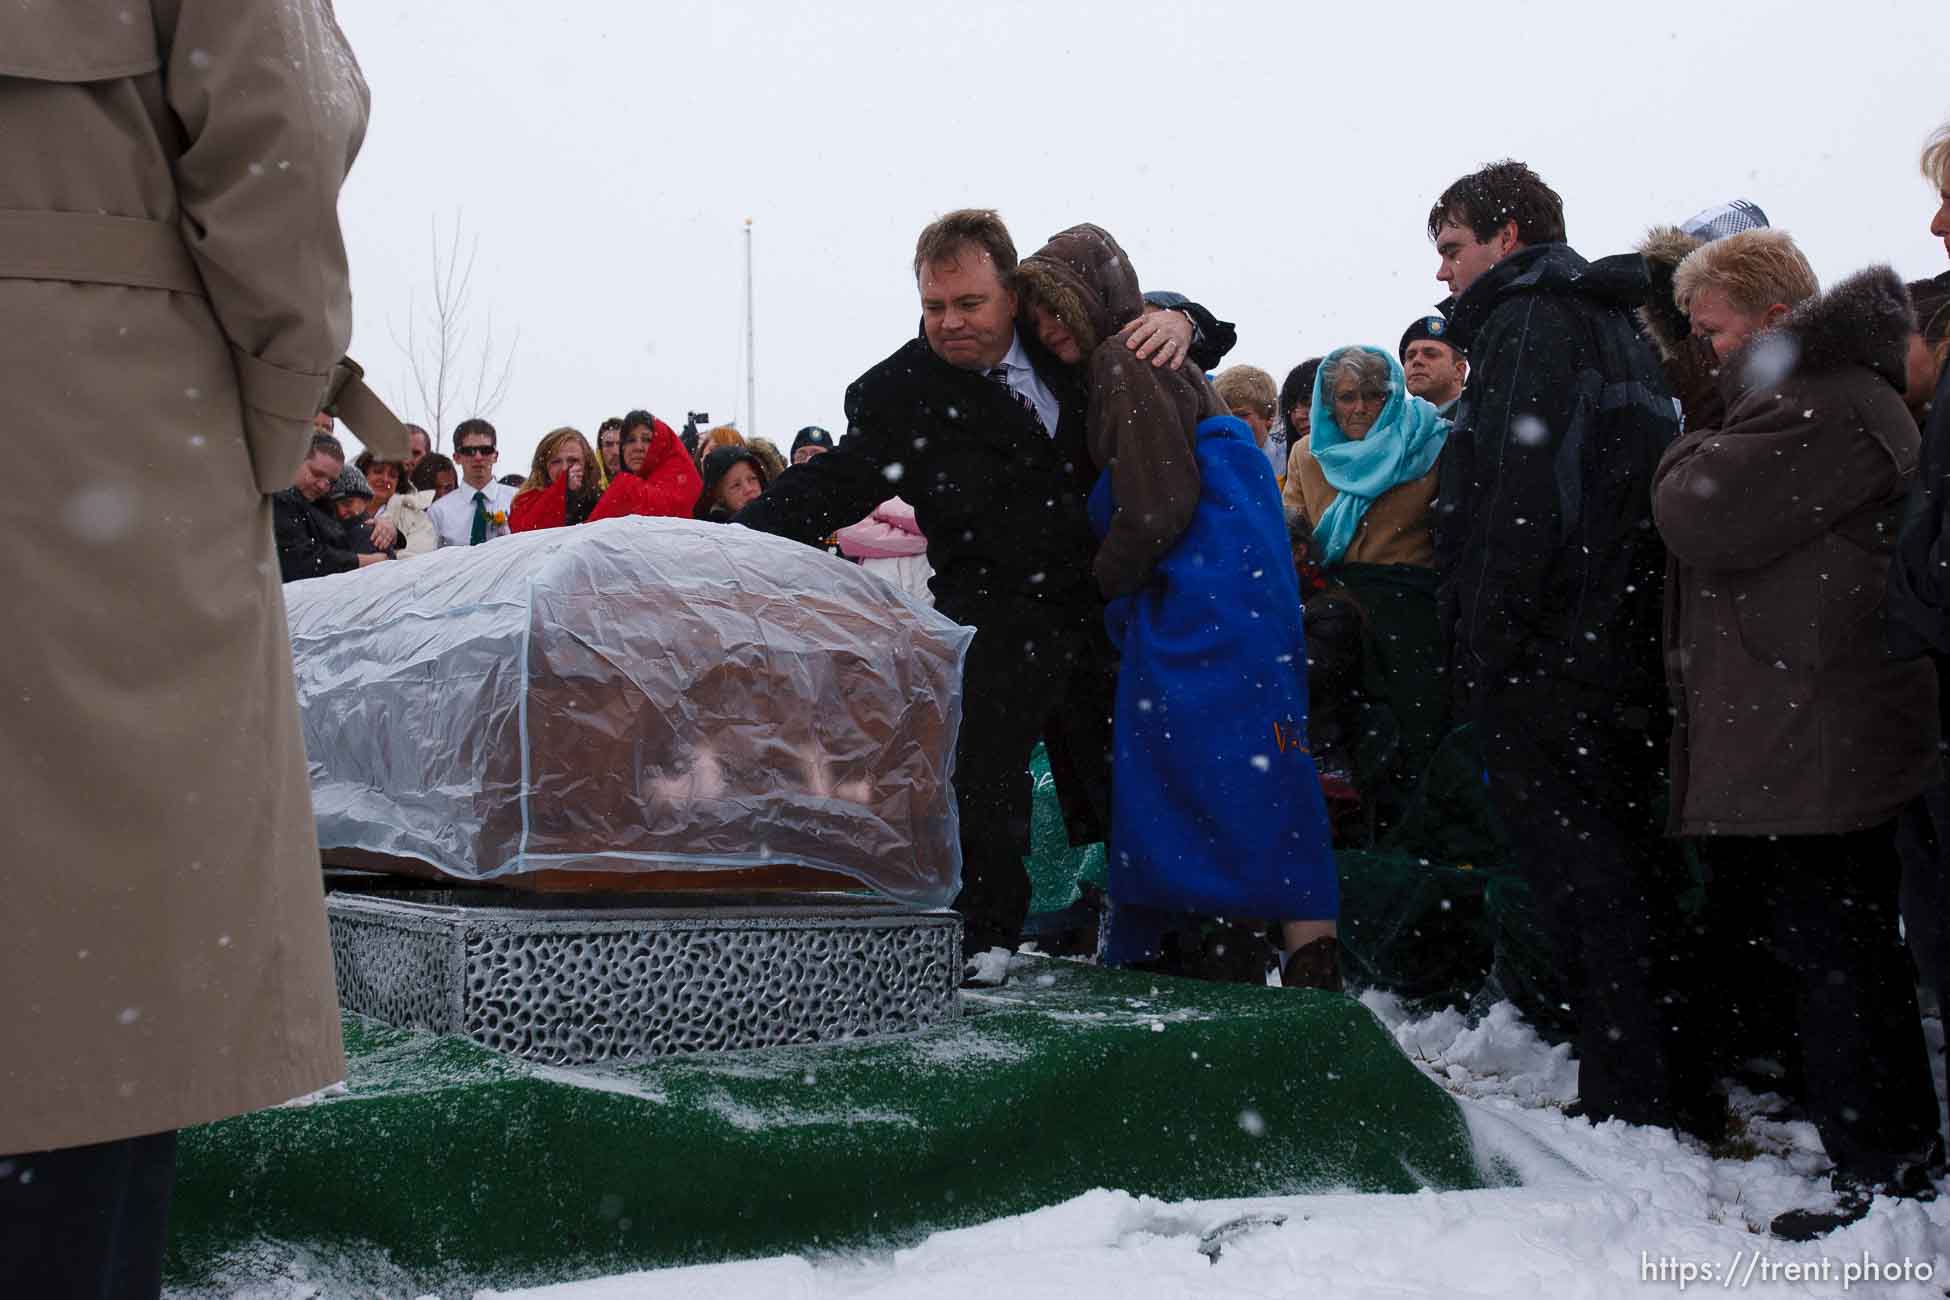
<point x="1593" y="1211"/>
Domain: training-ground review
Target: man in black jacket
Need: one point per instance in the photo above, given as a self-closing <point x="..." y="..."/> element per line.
<point x="1551" y="580"/>
<point x="311" y="542"/>
<point x="983" y="433"/>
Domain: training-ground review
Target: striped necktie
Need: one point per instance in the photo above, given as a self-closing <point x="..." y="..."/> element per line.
<point x="1000" y="374"/>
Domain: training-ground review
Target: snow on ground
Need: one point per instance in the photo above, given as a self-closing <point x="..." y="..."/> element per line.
<point x="1593" y="1211"/>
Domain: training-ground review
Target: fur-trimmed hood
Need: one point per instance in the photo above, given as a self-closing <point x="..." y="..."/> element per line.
<point x="1663" y="249"/>
<point x="1864" y="320"/>
<point x="1084" y="277"/>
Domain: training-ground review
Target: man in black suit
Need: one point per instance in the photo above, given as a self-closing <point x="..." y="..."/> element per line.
<point x="982" y="432"/>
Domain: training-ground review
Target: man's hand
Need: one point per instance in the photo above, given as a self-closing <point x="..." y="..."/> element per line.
<point x="384" y="533"/>
<point x="365" y="561"/>
<point x="1161" y="337"/>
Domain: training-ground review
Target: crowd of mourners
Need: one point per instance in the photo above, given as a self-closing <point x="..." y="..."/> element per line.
<point x="340" y="515"/>
<point x="1626" y="580"/>
<point x="1655" y="542"/>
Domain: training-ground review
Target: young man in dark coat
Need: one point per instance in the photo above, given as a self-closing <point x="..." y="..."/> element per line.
<point x="1800" y="735"/>
<point x="973" y="425"/>
<point x="1550" y="604"/>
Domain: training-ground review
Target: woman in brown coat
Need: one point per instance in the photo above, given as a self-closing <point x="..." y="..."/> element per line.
<point x="173" y="300"/>
<point x="1798" y="735"/>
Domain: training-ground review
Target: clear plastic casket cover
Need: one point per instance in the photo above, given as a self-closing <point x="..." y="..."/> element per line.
<point x="630" y="695"/>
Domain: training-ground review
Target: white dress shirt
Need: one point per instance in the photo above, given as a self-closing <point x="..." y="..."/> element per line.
<point x="453" y="514"/>
<point x="1024" y="379"/>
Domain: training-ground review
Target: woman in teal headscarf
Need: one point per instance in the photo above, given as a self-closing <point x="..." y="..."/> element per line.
<point x="1365" y="479"/>
<point x="1367" y="466"/>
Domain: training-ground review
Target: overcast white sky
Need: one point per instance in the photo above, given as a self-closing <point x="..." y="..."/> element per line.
<point x="1272" y="160"/>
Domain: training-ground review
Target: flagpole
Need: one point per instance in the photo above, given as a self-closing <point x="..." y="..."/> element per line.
<point x="751" y="342"/>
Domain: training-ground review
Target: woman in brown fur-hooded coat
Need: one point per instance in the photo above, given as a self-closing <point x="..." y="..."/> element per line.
<point x="1691" y="369"/>
<point x="1142" y="418"/>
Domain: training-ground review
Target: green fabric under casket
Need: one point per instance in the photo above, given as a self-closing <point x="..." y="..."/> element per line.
<point x="1056" y="867"/>
<point x="446" y="1166"/>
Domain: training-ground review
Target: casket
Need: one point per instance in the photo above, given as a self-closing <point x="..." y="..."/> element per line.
<point x="633" y="704"/>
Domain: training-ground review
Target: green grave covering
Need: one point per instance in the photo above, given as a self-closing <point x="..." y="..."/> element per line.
<point x="458" y="1167"/>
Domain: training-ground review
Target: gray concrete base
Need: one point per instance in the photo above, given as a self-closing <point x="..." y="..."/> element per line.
<point x="572" y="985"/>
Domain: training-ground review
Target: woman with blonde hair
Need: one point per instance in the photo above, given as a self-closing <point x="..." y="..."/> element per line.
<point x="563" y="484"/>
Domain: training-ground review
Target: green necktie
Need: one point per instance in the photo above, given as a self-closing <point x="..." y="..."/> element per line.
<point x="479" y="534"/>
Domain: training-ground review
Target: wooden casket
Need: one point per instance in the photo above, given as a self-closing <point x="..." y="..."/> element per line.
<point x="636" y="704"/>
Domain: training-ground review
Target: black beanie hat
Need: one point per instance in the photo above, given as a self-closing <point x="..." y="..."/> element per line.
<point x="810" y="436"/>
<point x="1432" y="326"/>
<point x="718" y="463"/>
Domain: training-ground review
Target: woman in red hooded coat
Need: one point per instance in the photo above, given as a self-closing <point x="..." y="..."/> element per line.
<point x="658" y="477"/>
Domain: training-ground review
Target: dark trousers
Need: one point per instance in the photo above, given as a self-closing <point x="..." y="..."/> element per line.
<point x="1822" y="908"/>
<point x="1017" y="673"/>
<point x="1923" y="844"/>
<point x="87" y="1223"/>
<point x="1573" y="775"/>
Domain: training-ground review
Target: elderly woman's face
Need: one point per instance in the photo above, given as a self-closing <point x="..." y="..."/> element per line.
<point x="1357" y="403"/>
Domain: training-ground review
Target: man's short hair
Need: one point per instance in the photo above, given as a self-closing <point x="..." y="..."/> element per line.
<point x="412" y="429"/>
<point x="1755" y="269"/>
<point x="982" y="228"/>
<point x="477" y="428"/>
<point x="327" y="445"/>
<point x="1483" y="201"/>
<point x="1247" y="388"/>
<point x="1936" y="158"/>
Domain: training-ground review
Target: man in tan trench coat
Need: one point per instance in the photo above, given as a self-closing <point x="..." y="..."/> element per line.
<point x="173" y="300"/>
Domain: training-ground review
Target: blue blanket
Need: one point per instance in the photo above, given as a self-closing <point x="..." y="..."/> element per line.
<point x="1215" y="803"/>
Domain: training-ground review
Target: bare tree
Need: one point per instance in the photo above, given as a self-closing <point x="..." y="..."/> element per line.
<point x="450" y="379"/>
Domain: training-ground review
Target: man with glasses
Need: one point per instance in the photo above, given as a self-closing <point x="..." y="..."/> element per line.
<point x="477" y="511"/>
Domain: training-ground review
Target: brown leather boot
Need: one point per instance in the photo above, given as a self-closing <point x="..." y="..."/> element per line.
<point x="1314" y="965"/>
